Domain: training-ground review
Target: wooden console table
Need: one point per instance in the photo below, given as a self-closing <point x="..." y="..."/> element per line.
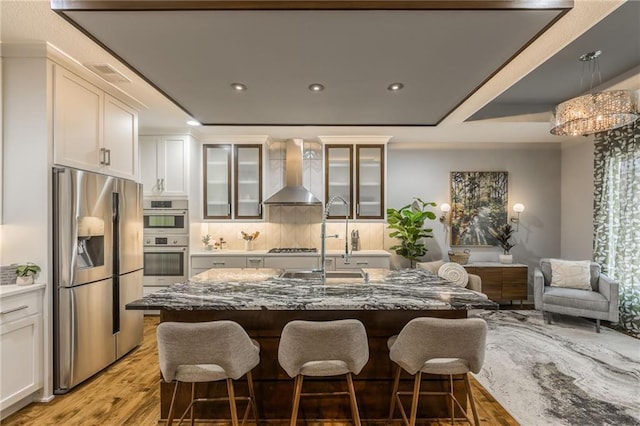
<point x="502" y="281"/>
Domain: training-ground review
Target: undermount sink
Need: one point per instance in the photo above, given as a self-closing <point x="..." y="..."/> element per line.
<point x="316" y="275"/>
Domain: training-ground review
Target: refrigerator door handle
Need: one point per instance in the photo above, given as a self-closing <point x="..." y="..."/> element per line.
<point x="72" y="340"/>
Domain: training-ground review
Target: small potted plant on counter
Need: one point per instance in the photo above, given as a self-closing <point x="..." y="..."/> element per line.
<point x="503" y="235"/>
<point x="206" y="241"/>
<point x="26" y="273"/>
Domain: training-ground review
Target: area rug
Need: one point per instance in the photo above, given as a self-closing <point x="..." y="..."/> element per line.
<point x="563" y="373"/>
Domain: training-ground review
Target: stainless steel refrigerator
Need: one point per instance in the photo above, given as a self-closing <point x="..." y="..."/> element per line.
<point x="98" y="263"/>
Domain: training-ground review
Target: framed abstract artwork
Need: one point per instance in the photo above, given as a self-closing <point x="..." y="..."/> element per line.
<point x="478" y="202"/>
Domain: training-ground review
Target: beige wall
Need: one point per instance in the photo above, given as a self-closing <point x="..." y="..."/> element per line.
<point x="577" y="200"/>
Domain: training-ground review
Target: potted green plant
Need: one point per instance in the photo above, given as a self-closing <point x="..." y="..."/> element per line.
<point x="407" y="225"/>
<point x="206" y="241"/>
<point x="26" y="273"/>
<point x="503" y="234"/>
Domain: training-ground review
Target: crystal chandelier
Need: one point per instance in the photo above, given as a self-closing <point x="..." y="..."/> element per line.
<point x="594" y="112"/>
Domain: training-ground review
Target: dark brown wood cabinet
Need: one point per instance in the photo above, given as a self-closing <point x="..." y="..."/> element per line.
<point x="501" y="282"/>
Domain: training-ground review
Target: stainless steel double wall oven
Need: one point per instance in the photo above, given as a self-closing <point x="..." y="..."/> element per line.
<point x="166" y="242"/>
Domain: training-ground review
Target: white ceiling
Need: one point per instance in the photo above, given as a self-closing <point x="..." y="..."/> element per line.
<point x="376" y="55"/>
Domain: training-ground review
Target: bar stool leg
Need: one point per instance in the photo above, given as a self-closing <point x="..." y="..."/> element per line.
<point x="232" y="402"/>
<point x="471" y="400"/>
<point x="416" y="396"/>
<point x="396" y="383"/>
<point x="451" y="397"/>
<point x="354" y="403"/>
<point x="296" y="398"/>
<point x="252" y="395"/>
<point x="172" y="407"/>
<point x="193" y="397"/>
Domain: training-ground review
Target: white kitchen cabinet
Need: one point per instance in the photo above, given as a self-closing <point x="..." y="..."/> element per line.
<point x="255" y="262"/>
<point x="91" y="129"/>
<point x="358" y="262"/>
<point x="21" y="360"/>
<point x="291" y="262"/>
<point x="77" y="121"/>
<point x="203" y="263"/>
<point x="164" y="165"/>
<point x="120" y="138"/>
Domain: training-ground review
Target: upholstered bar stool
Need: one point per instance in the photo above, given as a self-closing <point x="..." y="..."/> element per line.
<point x="437" y="346"/>
<point x="321" y="349"/>
<point x="207" y="352"/>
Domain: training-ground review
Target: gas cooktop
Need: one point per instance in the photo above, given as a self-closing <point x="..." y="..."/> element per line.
<point x="293" y="250"/>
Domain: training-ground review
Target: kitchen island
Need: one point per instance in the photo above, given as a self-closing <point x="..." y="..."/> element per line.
<point x="263" y="303"/>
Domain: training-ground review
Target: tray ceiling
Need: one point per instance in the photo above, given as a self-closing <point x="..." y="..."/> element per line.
<point x="193" y="57"/>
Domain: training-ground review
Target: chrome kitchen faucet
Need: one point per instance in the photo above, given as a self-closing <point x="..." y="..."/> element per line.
<point x="324" y="236"/>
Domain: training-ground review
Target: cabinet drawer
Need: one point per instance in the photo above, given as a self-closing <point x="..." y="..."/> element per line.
<point x="290" y="262"/>
<point x="209" y="262"/>
<point x="255" y="262"/>
<point x="20" y="306"/>
<point x="362" y="262"/>
<point x="514" y="275"/>
<point x="514" y="291"/>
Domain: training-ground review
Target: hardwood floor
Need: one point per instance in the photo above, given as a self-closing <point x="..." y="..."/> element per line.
<point x="128" y="393"/>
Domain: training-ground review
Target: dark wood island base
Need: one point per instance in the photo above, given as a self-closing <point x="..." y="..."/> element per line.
<point x="274" y="388"/>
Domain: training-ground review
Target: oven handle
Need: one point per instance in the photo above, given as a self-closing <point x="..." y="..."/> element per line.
<point x="172" y="212"/>
<point x="163" y="249"/>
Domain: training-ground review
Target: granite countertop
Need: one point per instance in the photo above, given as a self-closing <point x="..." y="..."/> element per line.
<point x="370" y="253"/>
<point x="261" y="289"/>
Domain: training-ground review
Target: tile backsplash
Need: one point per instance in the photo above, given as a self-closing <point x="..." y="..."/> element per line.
<point x="7" y="274"/>
<point x="294" y="226"/>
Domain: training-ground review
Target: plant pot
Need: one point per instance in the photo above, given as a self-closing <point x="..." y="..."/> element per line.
<point x="506" y="258"/>
<point x="26" y="280"/>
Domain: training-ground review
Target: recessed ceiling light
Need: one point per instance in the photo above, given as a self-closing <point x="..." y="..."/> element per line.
<point x="193" y="123"/>
<point x="394" y="87"/>
<point x="238" y="87"/>
<point x="316" y="87"/>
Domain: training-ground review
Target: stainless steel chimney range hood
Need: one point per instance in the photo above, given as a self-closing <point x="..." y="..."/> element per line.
<point x="293" y="193"/>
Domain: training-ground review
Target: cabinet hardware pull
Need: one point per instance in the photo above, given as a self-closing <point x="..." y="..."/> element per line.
<point x="260" y="208"/>
<point x="107" y="156"/>
<point x="162" y="184"/>
<point x="19" y="308"/>
<point x="362" y="263"/>
<point x="358" y="208"/>
<point x="218" y="263"/>
<point x="254" y="260"/>
<point x="228" y="208"/>
<point x="103" y="154"/>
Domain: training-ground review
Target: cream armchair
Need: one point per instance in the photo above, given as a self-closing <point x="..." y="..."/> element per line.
<point x="601" y="302"/>
<point x="475" y="282"/>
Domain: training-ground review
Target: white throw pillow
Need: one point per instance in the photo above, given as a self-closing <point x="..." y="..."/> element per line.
<point x="431" y="266"/>
<point x="455" y="273"/>
<point x="571" y="273"/>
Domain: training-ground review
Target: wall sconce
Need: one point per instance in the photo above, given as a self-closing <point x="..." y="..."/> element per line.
<point x="444" y="208"/>
<point x="518" y="208"/>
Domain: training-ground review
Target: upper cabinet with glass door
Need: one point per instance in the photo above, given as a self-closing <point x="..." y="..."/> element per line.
<point x="248" y="181"/>
<point x="339" y="179"/>
<point x="239" y="197"/>
<point x="358" y="178"/>
<point x="217" y="181"/>
<point x="369" y="181"/>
